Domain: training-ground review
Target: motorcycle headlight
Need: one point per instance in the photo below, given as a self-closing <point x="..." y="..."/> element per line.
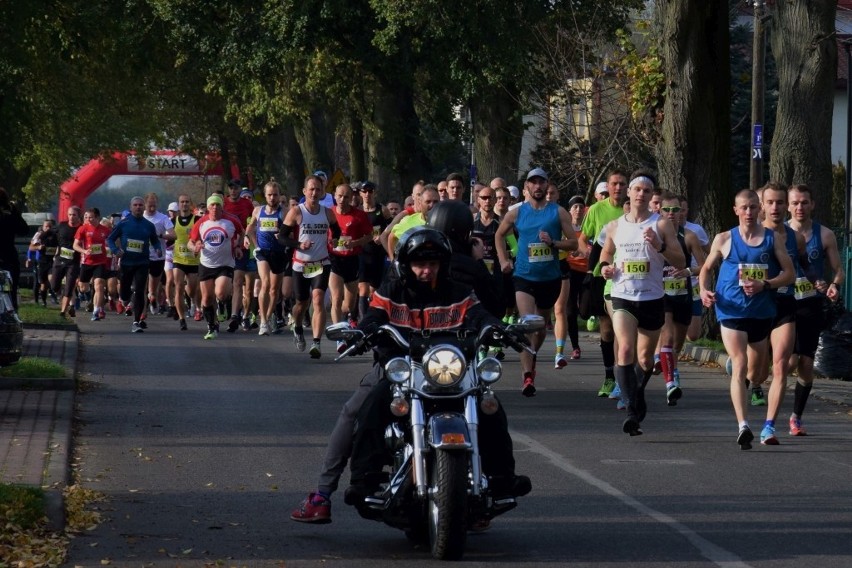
<point x="489" y="370"/>
<point x="444" y="366"/>
<point x="398" y="370"/>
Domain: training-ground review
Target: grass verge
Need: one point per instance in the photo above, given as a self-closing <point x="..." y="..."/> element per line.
<point x="33" y="368"/>
<point x="35" y="313"/>
<point x="717" y="346"/>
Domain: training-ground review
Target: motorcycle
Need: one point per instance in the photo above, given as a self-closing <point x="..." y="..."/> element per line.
<point x="436" y="490"/>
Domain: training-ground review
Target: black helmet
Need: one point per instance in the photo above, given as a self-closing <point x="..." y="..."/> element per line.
<point x="454" y="219"/>
<point x="422" y="243"/>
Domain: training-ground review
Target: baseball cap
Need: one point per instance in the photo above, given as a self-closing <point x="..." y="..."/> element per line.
<point x="246" y="192"/>
<point x="173" y="206"/>
<point x="368" y="186"/>
<point x="322" y="174"/>
<point x="537" y="172"/>
<point x="236" y="182"/>
<point x="601" y="188"/>
<point x="514" y="191"/>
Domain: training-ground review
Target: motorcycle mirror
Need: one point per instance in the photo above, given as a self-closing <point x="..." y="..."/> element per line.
<point x="530" y="324"/>
<point x="342" y="332"/>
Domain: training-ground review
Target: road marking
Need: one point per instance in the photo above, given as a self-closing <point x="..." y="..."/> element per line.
<point x="715" y="554"/>
<point x="649" y="462"/>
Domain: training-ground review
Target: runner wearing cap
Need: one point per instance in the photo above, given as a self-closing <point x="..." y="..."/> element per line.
<point x="537" y="277"/>
<point x="601" y="191"/>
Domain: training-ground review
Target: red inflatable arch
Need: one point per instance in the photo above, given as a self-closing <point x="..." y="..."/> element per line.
<point x="87" y="179"/>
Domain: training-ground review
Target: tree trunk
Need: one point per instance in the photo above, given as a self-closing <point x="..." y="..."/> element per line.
<point x="497" y="132"/>
<point x="355" y="142"/>
<point x="284" y="160"/>
<point x="693" y="151"/>
<point x="316" y="139"/>
<point x="805" y="50"/>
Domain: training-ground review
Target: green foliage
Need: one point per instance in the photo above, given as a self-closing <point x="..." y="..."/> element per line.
<point x="642" y="72"/>
<point x="34" y="368"/>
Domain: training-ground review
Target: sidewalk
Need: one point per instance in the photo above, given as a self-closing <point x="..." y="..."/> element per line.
<point x="35" y="424"/>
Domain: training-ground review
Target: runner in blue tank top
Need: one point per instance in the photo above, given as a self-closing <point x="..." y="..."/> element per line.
<point x="751" y="257"/>
<point x="542" y="229"/>
<point x="782" y="336"/>
<point x="821" y="246"/>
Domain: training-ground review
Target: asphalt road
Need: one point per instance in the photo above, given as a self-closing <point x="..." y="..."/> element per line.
<point x="203" y="448"/>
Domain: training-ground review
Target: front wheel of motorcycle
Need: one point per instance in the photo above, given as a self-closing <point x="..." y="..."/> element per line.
<point x="448" y="504"/>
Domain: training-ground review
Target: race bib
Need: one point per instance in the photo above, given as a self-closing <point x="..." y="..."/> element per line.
<point x="696" y="291"/>
<point x="135" y="245"/>
<point x="635" y="268"/>
<point x="803" y="288"/>
<point x="96" y="249"/>
<point x="675" y="286"/>
<point x="752" y="272"/>
<point x="50" y="251"/>
<point x="539" y="252"/>
<point x="341" y="244"/>
<point x="489" y="264"/>
<point x="268" y="225"/>
<point x="312" y="269"/>
<point x="377" y="230"/>
<point x="66" y="253"/>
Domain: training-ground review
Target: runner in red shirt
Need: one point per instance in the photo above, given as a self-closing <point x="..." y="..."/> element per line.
<point x="90" y="242"/>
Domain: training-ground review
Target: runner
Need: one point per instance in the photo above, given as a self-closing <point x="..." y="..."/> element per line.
<point x="45" y="243"/>
<point x="90" y="242"/>
<point x="344" y="253"/>
<point x="371" y="267"/>
<point x="130" y="241"/>
<point x="185" y="263"/>
<point x="311" y="265"/>
<point x="66" y="262"/>
<point x="217" y="238"/>
<point x="753" y="264"/>
<point x="272" y="256"/>
<point x="537" y="276"/>
<point x="638" y="245"/>
<point x="239" y="204"/>
<point x="821" y="246"/>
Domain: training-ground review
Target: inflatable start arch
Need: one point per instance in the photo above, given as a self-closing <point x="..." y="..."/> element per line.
<point x="87" y="179"/>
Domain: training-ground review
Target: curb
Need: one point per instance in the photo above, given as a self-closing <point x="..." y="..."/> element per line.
<point x="57" y="470"/>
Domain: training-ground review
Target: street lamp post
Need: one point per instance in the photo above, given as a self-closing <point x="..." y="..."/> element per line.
<point x="757" y="96"/>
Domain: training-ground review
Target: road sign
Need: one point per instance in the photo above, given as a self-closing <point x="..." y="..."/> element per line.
<point x="757" y="154"/>
<point x="757" y="136"/>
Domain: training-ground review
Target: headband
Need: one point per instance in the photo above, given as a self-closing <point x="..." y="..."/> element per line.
<point x="215" y="198"/>
<point x="641" y="179"/>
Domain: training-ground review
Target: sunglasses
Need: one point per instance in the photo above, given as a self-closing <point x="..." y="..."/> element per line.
<point x="671" y="209"/>
<point x="485" y="196"/>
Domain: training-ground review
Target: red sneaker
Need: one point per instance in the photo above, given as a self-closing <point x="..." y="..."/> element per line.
<point x="528" y="388"/>
<point x="575" y="354"/>
<point x="315" y="509"/>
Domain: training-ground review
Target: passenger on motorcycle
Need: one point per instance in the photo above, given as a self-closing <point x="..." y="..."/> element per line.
<point x="424" y="297"/>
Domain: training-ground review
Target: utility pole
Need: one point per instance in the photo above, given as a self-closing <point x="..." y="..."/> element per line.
<point x="758" y="80"/>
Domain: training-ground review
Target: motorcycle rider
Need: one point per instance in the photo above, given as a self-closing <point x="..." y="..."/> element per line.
<point x="415" y="247"/>
<point x="424" y="297"/>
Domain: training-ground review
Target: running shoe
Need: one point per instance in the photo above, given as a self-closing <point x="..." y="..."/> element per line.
<point x="315" y="509"/>
<point x="112" y="306"/>
<point x="616" y="392"/>
<point x="245" y="325"/>
<point x="212" y="333"/>
<point x="128" y="310"/>
<point x="198" y="316"/>
<point x="72" y="312"/>
<point x="632" y="426"/>
<point x="673" y="394"/>
<point x="757" y="397"/>
<point x="796" y="428"/>
<point x="95" y="316"/>
<point x="299" y="340"/>
<point x="744" y="438"/>
<point x="143" y="324"/>
<point x="90" y="306"/>
<point x="173" y="313"/>
<point x="264" y="329"/>
<point x="220" y="311"/>
<point x="53" y="297"/>
<point x="767" y="436"/>
<point x="621" y="404"/>
<point x="575" y="354"/>
<point x="560" y="361"/>
<point x="315" y="351"/>
<point x="658" y="365"/>
<point x="606" y="387"/>
<point x="528" y="386"/>
<point x="183" y="325"/>
<point x="152" y="305"/>
<point x="234" y="324"/>
<point x="341" y="347"/>
<point x="136" y="328"/>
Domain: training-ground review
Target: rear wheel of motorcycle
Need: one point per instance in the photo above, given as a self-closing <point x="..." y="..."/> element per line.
<point x="448" y="505"/>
